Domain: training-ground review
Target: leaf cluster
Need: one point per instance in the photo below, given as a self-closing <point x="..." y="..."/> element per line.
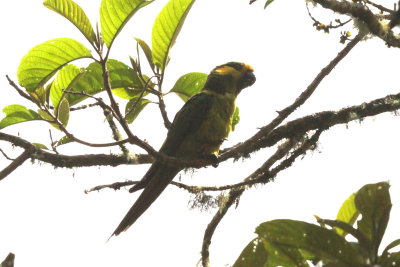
<point x="56" y="86"/>
<point x="363" y="216"/>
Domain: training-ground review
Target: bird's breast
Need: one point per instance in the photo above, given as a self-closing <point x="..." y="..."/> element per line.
<point x="214" y="129"/>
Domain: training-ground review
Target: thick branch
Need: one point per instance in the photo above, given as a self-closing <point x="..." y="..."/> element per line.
<point x="321" y="120"/>
<point x="327" y="119"/>
<point x="88" y="160"/>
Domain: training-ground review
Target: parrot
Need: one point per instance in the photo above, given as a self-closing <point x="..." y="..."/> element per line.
<point x="197" y="132"/>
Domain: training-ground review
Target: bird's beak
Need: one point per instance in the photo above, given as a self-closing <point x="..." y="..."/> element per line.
<point x="247" y="80"/>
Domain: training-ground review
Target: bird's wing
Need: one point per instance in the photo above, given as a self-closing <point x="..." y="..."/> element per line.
<point x="187" y="121"/>
<point x="157" y="178"/>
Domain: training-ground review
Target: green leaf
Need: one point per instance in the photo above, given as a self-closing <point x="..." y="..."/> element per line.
<point x="62" y="81"/>
<point x="268" y="3"/>
<point x="324" y="243"/>
<point x="189" y="84"/>
<point x="91" y="81"/>
<point x="389" y="260"/>
<point x="235" y="118"/>
<point x="128" y="93"/>
<point x="40" y="95"/>
<point x="279" y="255"/>
<point x="39" y="145"/>
<point x="134" y="107"/>
<point x="63" y="112"/>
<point x="166" y="29"/>
<point x="64" y="140"/>
<point x="147" y="51"/>
<point x="17" y="114"/>
<point x="254" y="255"/>
<point x="44" y="60"/>
<point x="75" y="14"/>
<point x="374" y="204"/>
<point x="45" y="116"/>
<point x="347" y="213"/>
<point x="390" y="246"/>
<point x="114" y="14"/>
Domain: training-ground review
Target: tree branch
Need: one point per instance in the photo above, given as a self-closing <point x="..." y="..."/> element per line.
<point x="87" y="160"/>
<point x="362" y="13"/>
<point x="264" y="175"/>
<point x="16" y="163"/>
<point x="321" y="120"/>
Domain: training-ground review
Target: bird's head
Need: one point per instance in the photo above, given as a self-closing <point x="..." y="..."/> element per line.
<point x="231" y="77"/>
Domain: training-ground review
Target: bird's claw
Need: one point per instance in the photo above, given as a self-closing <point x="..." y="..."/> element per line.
<point x="214" y="160"/>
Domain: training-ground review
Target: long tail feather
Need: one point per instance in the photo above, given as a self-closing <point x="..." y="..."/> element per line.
<point x="154" y="186"/>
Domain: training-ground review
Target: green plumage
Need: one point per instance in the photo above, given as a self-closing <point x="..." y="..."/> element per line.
<point x="197" y="131"/>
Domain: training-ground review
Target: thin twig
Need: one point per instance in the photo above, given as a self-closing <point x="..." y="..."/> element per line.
<point x="19" y="90"/>
<point x="322" y="25"/>
<point x="108" y="114"/>
<point x="5" y="155"/>
<point x="84" y="106"/>
<point x="380" y="7"/>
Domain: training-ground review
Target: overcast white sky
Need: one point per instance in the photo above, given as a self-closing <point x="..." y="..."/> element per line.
<point x="47" y="220"/>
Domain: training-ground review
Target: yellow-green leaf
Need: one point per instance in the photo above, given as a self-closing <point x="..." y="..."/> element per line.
<point x="189" y="84"/>
<point x="90" y="80"/>
<point x="347" y="213"/>
<point x="62" y="82"/>
<point x="45" y="116"/>
<point x="17" y="114"/>
<point x="44" y="60"/>
<point x="235" y="118"/>
<point x="134" y="107"/>
<point x="63" y="112"/>
<point x="146" y="50"/>
<point x="166" y="29"/>
<point x="114" y="14"/>
<point x="75" y="14"/>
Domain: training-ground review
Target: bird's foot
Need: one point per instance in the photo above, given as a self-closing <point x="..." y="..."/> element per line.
<point x="213" y="159"/>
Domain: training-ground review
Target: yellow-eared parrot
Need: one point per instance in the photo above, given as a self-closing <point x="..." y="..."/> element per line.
<point x="197" y="131"/>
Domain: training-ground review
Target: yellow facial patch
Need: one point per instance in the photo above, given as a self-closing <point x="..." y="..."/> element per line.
<point x="229" y="70"/>
<point x="225" y="70"/>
